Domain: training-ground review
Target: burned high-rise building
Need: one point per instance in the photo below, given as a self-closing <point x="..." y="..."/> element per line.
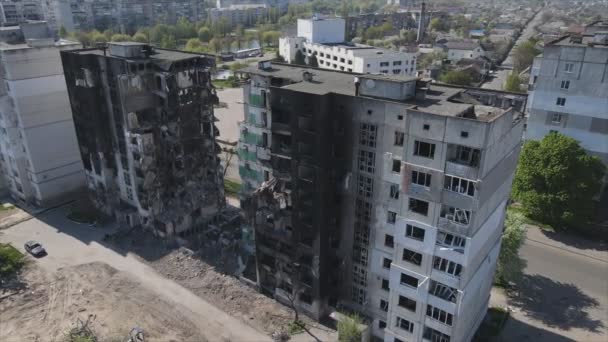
<point x="145" y="126"/>
<point x="383" y="194"/>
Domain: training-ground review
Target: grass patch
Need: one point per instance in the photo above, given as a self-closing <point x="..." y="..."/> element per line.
<point x="6" y="207"/>
<point x="230" y="82"/>
<point x="295" y="327"/>
<point x="231" y="187"/>
<point x="492" y="324"/>
<point x="11" y="260"/>
<point x="516" y="208"/>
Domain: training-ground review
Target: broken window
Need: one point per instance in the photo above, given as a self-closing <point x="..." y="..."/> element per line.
<point x="385" y="285"/>
<point x="407" y="303"/>
<point x="447" y="266"/>
<point x="367" y="161"/>
<point x="418" y="206"/>
<point x="460" y="216"/>
<point x="394" y="191"/>
<point x="408" y="280"/>
<point x="424" y="149"/>
<point x="404" y="324"/>
<point x="414" y="232"/>
<point x="439" y="315"/>
<point x="455" y="242"/>
<point x="383" y="305"/>
<point x="412" y="257"/>
<point x="442" y="291"/>
<point x="421" y="178"/>
<point x="359" y="275"/>
<point x="386" y="263"/>
<point x="399" y="137"/>
<point x="434" y="335"/>
<point x="367" y="135"/>
<point x="389" y="241"/>
<point x="463" y="155"/>
<point x="460" y="185"/>
<point x="358" y="295"/>
<point x="365" y="186"/>
<point x="391" y="217"/>
<point x="396" y="165"/>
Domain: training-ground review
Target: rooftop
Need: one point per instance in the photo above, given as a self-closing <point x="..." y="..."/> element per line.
<point x="439" y="99"/>
<point x="5" y="46"/>
<point x="462" y="45"/>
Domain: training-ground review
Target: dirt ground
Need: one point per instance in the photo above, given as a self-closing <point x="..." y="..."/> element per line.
<point x="46" y="306"/>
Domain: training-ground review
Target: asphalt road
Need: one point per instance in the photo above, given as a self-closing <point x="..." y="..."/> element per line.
<point x="563" y="295"/>
<point x="500" y="77"/>
<point x="70" y="244"/>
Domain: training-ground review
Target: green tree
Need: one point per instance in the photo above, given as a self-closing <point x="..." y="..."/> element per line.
<point x="204" y="34"/>
<point x="271" y="38"/>
<point x="348" y="329"/>
<point x="168" y="42"/>
<point x="556" y="180"/>
<point x="239" y="35"/>
<point x="98" y="37"/>
<point x="299" y="59"/>
<point x="456" y="77"/>
<point x="524" y="54"/>
<point x="312" y="61"/>
<point x="216" y="44"/>
<point x="63" y="32"/>
<point x="140" y="38"/>
<point x="510" y="266"/>
<point x="513" y="82"/>
<point x="84" y="39"/>
<point x="185" y="29"/>
<point x="194" y="45"/>
<point x="438" y="25"/>
<point x="119" y="37"/>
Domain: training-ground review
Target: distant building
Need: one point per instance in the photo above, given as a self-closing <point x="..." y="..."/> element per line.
<point x="246" y="15"/>
<point x="569" y="90"/>
<point x="145" y="126"/>
<point x="14" y="12"/>
<point x="39" y="156"/>
<point x="324" y="39"/>
<point x="477" y="33"/>
<point x="458" y="50"/>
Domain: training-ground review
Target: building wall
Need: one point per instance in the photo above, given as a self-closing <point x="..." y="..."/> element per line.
<point x="322" y="31"/>
<point x="584" y="115"/>
<point x="47" y="159"/>
<point x="454" y="55"/>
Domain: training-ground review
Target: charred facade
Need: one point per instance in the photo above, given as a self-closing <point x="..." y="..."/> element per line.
<point x="145" y="127"/>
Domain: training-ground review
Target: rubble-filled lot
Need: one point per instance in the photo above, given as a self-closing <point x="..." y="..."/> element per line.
<point x="38" y="306"/>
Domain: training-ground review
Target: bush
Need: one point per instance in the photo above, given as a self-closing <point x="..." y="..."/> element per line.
<point x="457" y="78"/>
<point x="348" y="329"/>
<point x="510" y="266"/>
<point x="11" y="260"/>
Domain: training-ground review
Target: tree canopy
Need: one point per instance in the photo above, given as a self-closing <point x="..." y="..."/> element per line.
<point x="556" y="180"/>
<point x="348" y="329"/>
<point x="509" y="267"/>
<point x="457" y="78"/>
<point x="513" y="82"/>
<point x="524" y="54"/>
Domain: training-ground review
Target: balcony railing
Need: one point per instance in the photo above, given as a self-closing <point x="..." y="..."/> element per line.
<point x="460" y="170"/>
<point x="452" y="227"/>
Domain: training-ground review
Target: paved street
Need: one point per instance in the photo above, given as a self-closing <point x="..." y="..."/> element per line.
<point x="70" y="244"/>
<point x="500" y="77"/>
<point x="564" y="293"/>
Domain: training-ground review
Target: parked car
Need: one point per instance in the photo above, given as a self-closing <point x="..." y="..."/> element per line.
<point x="35" y="248"/>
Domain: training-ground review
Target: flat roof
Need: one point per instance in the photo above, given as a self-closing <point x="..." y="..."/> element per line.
<point x="582" y="41"/>
<point x="4" y="46"/>
<point x="437" y="100"/>
<point x="159" y="54"/>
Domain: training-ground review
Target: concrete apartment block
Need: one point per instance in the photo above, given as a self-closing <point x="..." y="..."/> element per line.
<point x="569" y="90"/>
<point x="38" y="147"/>
<point x="382" y="194"/>
<point x="145" y="126"/>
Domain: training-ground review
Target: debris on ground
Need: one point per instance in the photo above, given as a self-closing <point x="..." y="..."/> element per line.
<point x="46" y="308"/>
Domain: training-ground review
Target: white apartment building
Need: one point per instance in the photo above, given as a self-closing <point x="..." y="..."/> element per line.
<point x="39" y="155"/>
<point x="458" y="50"/>
<point x="325" y="39"/>
<point x="569" y="90"/>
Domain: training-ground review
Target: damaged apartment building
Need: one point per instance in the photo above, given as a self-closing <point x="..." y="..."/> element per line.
<point x="385" y="195"/>
<point x="145" y="126"/>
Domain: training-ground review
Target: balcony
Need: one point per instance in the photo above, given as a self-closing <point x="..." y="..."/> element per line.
<point x="263" y="153"/>
<point x="452" y="227"/>
<point x="247" y="155"/>
<point x="460" y="170"/>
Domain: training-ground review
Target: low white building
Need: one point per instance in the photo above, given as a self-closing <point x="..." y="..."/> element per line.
<point x="39" y="156"/>
<point x="458" y="50"/>
<point x="324" y="39"/>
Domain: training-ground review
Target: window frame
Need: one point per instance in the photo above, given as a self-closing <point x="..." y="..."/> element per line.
<point x="409" y="232"/>
<point x="418" y="149"/>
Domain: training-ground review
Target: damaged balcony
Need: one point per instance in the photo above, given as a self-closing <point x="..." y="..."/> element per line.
<point x="455" y="220"/>
<point x="281" y="122"/>
<point x="463" y="161"/>
<point x="281" y="145"/>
